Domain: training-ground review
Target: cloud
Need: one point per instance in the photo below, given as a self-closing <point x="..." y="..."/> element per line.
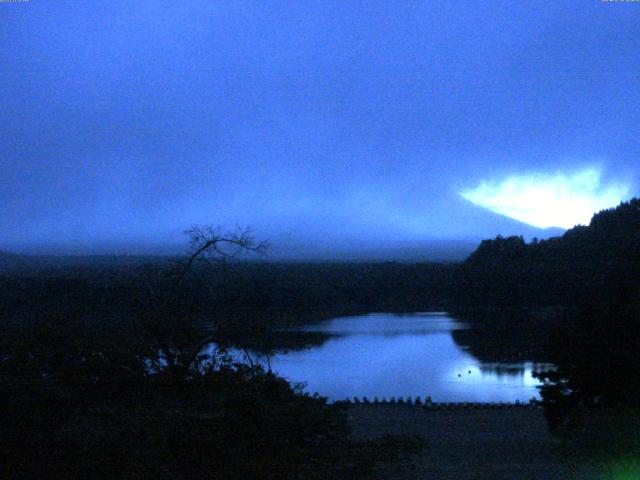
<point x="549" y="200"/>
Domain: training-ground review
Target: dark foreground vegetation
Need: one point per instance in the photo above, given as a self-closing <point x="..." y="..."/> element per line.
<point x="102" y="372"/>
<point x="76" y="404"/>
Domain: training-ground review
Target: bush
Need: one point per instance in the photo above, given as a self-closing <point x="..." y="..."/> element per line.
<point x="77" y="402"/>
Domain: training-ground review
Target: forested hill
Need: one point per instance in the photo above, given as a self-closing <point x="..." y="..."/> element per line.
<point x="586" y="263"/>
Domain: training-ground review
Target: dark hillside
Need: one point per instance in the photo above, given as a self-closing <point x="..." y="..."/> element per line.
<point x="586" y="261"/>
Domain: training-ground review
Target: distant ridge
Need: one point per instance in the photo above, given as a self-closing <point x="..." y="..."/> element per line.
<point x="13" y="261"/>
<point x="466" y="226"/>
<point x="327" y="236"/>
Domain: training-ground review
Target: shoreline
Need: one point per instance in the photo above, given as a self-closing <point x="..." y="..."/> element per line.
<point x="428" y="406"/>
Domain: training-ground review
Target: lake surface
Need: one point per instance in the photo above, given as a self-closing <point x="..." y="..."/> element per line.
<point x="384" y="355"/>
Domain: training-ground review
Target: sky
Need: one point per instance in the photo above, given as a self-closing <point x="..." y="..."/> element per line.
<point x="330" y="124"/>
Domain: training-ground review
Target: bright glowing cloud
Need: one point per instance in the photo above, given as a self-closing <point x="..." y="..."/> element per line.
<point x="545" y="200"/>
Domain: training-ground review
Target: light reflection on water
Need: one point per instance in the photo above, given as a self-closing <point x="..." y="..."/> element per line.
<point x="383" y="355"/>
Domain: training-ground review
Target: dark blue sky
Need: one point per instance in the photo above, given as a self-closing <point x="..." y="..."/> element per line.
<point x="124" y="122"/>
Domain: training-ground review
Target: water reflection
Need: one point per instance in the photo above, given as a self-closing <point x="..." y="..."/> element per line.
<point x="382" y="355"/>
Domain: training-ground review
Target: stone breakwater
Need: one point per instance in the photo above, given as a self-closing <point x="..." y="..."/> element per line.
<point x="428" y="405"/>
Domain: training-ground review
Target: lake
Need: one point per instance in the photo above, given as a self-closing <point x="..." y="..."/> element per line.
<point x="388" y="355"/>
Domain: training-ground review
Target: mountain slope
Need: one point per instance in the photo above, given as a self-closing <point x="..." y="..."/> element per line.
<point x="586" y="263"/>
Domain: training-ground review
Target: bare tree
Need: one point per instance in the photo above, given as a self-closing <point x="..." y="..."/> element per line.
<point x="213" y="243"/>
<point x="171" y="319"/>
